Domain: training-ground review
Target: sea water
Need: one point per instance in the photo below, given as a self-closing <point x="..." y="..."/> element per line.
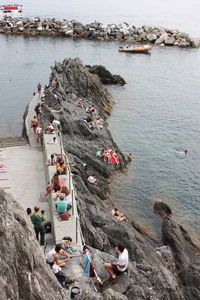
<point x="156" y="112"/>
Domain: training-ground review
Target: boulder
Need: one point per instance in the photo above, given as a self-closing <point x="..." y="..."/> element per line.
<point x="105" y="76"/>
<point x="110" y="294"/>
<point x="69" y="33"/>
<point x="162" y="209"/>
<point x="151" y="37"/>
<point x="169" y="41"/>
<point x="161" y="39"/>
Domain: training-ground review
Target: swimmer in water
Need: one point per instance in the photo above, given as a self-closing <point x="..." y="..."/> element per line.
<point x="184" y="152"/>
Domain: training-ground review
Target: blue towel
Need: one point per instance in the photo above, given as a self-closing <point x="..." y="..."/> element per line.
<point x="87" y="261"/>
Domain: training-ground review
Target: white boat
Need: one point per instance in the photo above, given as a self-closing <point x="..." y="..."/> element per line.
<point x="11" y="10"/>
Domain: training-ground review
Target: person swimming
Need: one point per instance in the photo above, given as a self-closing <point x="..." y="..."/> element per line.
<point x="181" y="152"/>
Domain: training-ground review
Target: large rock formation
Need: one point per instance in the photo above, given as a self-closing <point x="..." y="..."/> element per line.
<point x="24" y="274"/>
<point x="56" y="27"/>
<point x="184" y="249"/>
<point x="105" y="76"/>
<point x="148" y="275"/>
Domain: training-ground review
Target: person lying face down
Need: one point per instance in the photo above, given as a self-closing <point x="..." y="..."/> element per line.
<point x="91" y="179"/>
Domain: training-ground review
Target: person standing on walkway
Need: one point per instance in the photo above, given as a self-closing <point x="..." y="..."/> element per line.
<point x="38" y="223"/>
<point x="39" y="87"/>
<point x="39" y="134"/>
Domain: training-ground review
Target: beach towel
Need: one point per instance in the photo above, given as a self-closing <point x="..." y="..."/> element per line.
<point x="3" y="169"/>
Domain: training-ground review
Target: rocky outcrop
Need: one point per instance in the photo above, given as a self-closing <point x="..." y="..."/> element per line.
<point x="24" y="273"/>
<point x="59" y="27"/>
<point x="148" y="276"/>
<point x="105" y="76"/>
<point x="184" y="249"/>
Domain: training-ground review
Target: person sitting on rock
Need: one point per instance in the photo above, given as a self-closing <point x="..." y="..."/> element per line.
<point x="49" y="189"/>
<point x="66" y="244"/>
<point x="115" y="269"/>
<point x="56" y="124"/>
<point x="62" y="168"/>
<point x="80" y="103"/>
<point x="115" y="211"/>
<point x="51" y="161"/>
<point x="61" y="205"/>
<point x="91" y="179"/>
<point x="54" y="254"/>
<point x="50" y="128"/>
<point x="66" y="193"/>
<point x="92" y="110"/>
<point x="98" y="123"/>
<point x="129" y="158"/>
<point x="120" y="217"/>
<point x="88" y="109"/>
<point x="64" y="280"/>
<point x="55" y="181"/>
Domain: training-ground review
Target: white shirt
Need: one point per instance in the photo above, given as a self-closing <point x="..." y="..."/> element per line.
<point x="56" y="269"/>
<point x="56" y="122"/>
<point x="123" y="260"/>
<point x="49" y="256"/>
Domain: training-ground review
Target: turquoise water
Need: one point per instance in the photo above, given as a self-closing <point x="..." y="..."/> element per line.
<point x="156" y="111"/>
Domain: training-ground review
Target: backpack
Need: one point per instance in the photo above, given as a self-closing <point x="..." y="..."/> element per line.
<point x="64" y="216"/>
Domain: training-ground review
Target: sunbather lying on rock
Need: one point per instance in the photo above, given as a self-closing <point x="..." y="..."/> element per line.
<point x="91" y="179"/>
<point x="80" y="103"/>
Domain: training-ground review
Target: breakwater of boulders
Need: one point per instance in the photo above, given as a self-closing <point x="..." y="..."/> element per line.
<point x="60" y="27"/>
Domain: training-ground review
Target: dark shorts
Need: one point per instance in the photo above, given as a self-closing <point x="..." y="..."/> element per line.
<point x="115" y="270"/>
<point x="50" y="263"/>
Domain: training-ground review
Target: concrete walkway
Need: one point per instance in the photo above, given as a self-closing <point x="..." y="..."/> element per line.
<point x="25" y="178"/>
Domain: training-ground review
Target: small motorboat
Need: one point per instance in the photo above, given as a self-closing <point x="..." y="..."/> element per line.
<point x="140" y="49"/>
<point x="12" y="10"/>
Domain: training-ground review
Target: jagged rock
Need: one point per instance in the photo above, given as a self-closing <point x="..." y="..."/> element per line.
<point x="24" y="273"/>
<point x="162" y="209"/>
<point x="151" y="37"/>
<point x="105" y="76"/>
<point x="89" y="295"/>
<point x="110" y="294"/>
<point x="169" y="41"/>
<point x="195" y="42"/>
